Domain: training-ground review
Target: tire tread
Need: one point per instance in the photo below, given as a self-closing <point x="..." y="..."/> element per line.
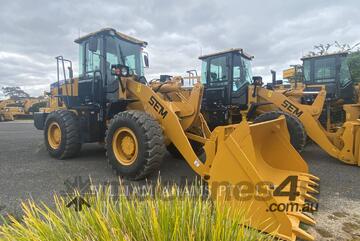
<point x="153" y="142"/>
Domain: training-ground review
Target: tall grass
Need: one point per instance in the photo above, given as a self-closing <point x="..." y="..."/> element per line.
<point x="177" y="215"/>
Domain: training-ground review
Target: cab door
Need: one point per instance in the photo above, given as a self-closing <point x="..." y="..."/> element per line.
<point x="345" y="84"/>
<point x="241" y="77"/>
<point x="217" y="91"/>
<point x="90" y="76"/>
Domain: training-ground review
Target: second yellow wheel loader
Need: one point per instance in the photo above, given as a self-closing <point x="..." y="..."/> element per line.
<point x="325" y="107"/>
<point x="110" y="101"/>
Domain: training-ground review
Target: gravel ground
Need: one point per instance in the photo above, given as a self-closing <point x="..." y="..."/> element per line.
<point x="26" y="171"/>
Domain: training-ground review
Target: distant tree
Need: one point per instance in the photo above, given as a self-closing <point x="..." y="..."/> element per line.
<point x="14" y="92"/>
<point x="346" y="47"/>
<point x="354" y="65"/>
<point x="323" y="49"/>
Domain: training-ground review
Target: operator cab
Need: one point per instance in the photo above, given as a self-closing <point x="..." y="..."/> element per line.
<point x="331" y="70"/>
<point x="100" y="50"/>
<point x="226" y="76"/>
<point x="95" y="93"/>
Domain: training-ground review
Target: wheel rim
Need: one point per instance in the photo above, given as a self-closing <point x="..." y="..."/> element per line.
<point x="125" y="146"/>
<point x="54" y="135"/>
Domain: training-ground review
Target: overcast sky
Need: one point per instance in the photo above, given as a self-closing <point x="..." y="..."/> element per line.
<point x="276" y="32"/>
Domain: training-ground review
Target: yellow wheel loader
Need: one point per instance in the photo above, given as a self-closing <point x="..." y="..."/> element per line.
<point x="4" y="116"/>
<point x="11" y="110"/>
<point x="325" y="107"/>
<point x="111" y="101"/>
<point x="4" y="103"/>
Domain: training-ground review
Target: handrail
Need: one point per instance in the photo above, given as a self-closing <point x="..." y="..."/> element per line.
<point x="58" y="59"/>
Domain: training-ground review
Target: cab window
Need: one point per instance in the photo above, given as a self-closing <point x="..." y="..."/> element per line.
<point x="307" y="71"/>
<point x="130" y="61"/>
<point x="241" y="72"/>
<point x="81" y="60"/>
<point x="324" y="70"/>
<point x="92" y="59"/>
<point x="203" y="72"/>
<point x="237" y="83"/>
<point x="119" y="51"/>
<point x="247" y="69"/>
<point x="344" y="72"/>
<point x="112" y="58"/>
<point x="218" y="72"/>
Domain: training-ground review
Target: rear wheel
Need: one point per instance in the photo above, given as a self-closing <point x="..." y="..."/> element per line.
<point x="295" y="127"/>
<point x="134" y="144"/>
<point x="61" y="133"/>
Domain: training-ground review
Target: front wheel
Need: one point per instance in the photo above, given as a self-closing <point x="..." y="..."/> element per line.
<point x="134" y="144"/>
<point x="61" y="133"/>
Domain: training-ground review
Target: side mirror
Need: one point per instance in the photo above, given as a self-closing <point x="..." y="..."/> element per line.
<point x="146" y="60"/>
<point x="93" y="44"/>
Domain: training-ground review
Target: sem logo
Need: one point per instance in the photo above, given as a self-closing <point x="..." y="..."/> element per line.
<point x="292" y="108"/>
<point x="158" y="107"/>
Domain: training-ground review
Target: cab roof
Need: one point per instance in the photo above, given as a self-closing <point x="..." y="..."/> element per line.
<point x="111" y="31"/>
<point x="324" y="55"/>
<point x="232" y="50"/>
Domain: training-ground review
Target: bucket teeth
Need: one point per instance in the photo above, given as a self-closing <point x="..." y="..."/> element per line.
<point x="308" y="188"/>
<point x="311" y="198"/>
<point x="311" y="208"/>
<point x="314" y="184"/>
<point x="251" y="154"/>
<point x="305" y="195"/>
<point x="304" y="199"/>
<point x="312" y="190"/>
<point x="303" y="218"/>
<point x="310" y="181"/>
<point x="312" y="177"/>
<point x="300" y="233"/>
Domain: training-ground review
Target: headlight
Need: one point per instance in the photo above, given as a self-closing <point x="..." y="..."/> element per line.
<point x="120" y="70"/>
<point x="124" y="71"/>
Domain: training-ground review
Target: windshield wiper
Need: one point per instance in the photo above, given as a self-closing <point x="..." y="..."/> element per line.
<point x="121" y="55"/>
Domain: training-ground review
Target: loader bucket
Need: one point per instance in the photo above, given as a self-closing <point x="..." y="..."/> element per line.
<point x="252" y="161"/>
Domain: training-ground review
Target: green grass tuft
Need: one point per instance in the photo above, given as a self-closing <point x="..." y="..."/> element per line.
<point x="167" y="215"/>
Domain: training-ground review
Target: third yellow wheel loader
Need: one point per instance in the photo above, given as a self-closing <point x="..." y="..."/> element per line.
<point x="4" y="116"/>
<point x="11" y="110"/>
<point x="324" y="107"/>
<point x="111" y="101"/>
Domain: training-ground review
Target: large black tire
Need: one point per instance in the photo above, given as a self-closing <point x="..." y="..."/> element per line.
<point x="150" y="147"/>
<point x="69" y="144"/>
<point x="295" y="127"/>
